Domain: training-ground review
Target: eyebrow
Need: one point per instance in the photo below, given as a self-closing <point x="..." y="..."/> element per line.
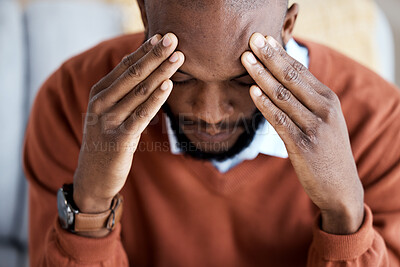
<point x="233" y="78"/>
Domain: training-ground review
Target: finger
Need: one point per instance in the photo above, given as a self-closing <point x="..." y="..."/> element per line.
<point x="126" y="62"/>
<point x="294" y="76"/>
<point x="290" y="134"/>
<point x="141" y="116"/>
<point x="136" y="73"/>
<point x="278" y="94"/>
<point x="142" y="91"/>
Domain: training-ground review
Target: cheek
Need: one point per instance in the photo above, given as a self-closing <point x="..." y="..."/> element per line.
<point x="182" y="99"/>
<point x="243" y="99"/>
<point x="179" y="100"/>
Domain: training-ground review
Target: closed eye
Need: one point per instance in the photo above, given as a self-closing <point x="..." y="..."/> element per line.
<point x="245" y="83"/>
<point x="183" y="82"/>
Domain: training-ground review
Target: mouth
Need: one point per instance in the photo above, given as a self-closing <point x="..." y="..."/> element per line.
<point x="217" y="137"/>
<point x="199" y="134"/>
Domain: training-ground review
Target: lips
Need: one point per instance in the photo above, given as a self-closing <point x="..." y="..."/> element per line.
<point x="219" y="137"/>
<point x="201" y="135"/>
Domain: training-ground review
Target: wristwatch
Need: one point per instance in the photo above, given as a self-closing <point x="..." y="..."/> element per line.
<point x="73" y="220"/>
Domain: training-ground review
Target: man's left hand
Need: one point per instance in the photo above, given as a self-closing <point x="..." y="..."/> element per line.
<point x="307" y="116"/>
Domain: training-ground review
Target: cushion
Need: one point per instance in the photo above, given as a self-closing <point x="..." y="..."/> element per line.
<point x="12" y="110"/>
<point x="13" y="114"/>
<point x="58" y="30"/>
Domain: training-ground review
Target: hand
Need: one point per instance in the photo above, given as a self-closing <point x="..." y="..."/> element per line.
<point x="121" y="105"/>
<point x="307" y="116"/>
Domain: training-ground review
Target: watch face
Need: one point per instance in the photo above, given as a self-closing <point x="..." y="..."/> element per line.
<point x="63" y="209"/>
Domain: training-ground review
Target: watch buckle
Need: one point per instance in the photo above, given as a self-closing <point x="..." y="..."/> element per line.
<point x="111" y="219"/>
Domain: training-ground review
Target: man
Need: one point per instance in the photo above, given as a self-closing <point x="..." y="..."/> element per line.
<point x="184" y="129"/>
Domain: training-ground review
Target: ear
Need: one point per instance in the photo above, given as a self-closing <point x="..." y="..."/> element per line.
<point x="144" y="16"/>
<point x="289" y="22"/>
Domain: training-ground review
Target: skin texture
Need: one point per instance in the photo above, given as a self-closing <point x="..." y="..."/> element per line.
<point x="214" y="97"/>
<point x="214" y="47"/>
<point x="307" y="116"/>
<point x="124" y="102"/>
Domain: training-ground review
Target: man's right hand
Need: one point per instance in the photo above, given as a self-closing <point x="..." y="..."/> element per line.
<point x="121" y="105"/>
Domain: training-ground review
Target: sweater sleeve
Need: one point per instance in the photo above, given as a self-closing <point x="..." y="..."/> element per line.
<point x="366" y="247"/>
<point x="376" y="148"/>
<point x="377" y="242"/>
<point x="51" y="149"/>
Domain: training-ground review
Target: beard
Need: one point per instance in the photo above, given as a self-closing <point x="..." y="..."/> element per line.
<point x="250" y="127"/>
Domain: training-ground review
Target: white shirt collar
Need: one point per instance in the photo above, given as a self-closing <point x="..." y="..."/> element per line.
<point x="266" y="140"/>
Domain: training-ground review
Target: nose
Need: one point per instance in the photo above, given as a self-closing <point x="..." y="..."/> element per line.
<point x="211" y="104"/>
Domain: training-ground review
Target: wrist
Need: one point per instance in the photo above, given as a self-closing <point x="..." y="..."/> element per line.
<point x="88" y="204"/>
<point x="91" y="206"/>
<point x="342" y="221"/>
<point x="93" y="217"/>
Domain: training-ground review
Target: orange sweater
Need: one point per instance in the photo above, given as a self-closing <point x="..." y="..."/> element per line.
<point x="183" y="212"/>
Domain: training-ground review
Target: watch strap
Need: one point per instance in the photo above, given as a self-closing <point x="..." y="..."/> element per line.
<point x="91" y="222"/>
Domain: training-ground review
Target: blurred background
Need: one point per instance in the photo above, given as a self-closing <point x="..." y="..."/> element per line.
<point x="36" y="36"/>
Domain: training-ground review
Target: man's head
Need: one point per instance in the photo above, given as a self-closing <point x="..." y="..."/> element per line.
<point x="210" y="104"/>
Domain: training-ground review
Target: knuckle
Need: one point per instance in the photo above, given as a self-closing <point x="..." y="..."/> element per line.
<point x="260" y="71"/>
<point x="163" y="70"/>
<point x="96" y="86"/>
<point x="329" y="94"/>
<point x="131" y="126"/>
<point x="141" y="112"/>
<point x="147" y="46"/>
<point x="335" y="99"/>
<point x="141" y="89"/>
<point x="280" y="118"/>
<point x="127" y="60"/>
<point x="291" y="74"/>
<point x="299" y="67"/>
<point x="305" y="143"/>
<point x="108" y="123"/>
<point x="95" y="105"/>
<point x="330" y="112"/>
<point x="268" y="52"/>
<point x="265" y="102"/>
<point x="281" y="93"/>
<point x="157" y="51"/>
<point x="134" y="71"/>
<point x="311" y="133"/>
<point x="94" y="90"/>
<point x="155" y="98"/>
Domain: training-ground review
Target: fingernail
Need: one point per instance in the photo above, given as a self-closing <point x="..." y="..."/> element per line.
<point x="166" y="41"/>
<point x="164" y="86"/>
<point x="154" y="40"/>
<point x="251" y="59"/>
<point x="272" y="42"/>
<point x="259" y="41"/>
<point x="256" y="91"/>
<point x="174" y="58"/>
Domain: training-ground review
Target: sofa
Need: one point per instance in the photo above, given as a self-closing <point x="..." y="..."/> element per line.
<point x="33" y="43"/>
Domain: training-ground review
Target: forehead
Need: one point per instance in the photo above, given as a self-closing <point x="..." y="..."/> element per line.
<point x="213" y="37"/>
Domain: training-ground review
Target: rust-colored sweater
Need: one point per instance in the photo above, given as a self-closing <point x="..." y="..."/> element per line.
<point x="183" y="212"/>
